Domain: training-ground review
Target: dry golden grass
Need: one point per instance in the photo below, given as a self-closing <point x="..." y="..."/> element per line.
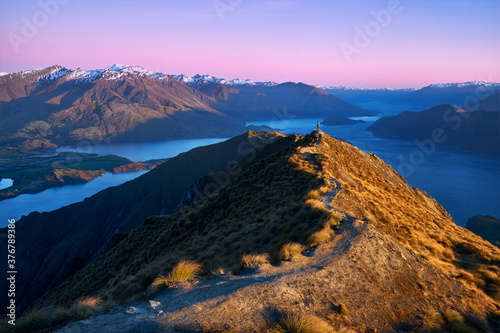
<point x="289" y="250"/>
<point x="279" y="200"/>
<point x="88" y="306"/>
<point x="373" y="192"/>
<point x="184" y="271"/>
<point x="254" y="260"/>
<point x="51" y="316"/>
<point x="321" y="237"/>
<point x="432" y="320"/>
<point x="301" y="324"/>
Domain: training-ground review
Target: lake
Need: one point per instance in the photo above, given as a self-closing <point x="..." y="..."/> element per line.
<point x="464" y="183"/>
<point x="143" y="151"/>
<point x="6" y="183"/>
<point x="58" y="197"/>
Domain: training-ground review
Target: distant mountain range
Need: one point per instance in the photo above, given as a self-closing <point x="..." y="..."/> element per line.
<point x="461" y="94"/>
<point x="464" y="95"/>
<point x="56" y="105"/>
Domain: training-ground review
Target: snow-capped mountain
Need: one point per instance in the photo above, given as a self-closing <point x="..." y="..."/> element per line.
<point x="464" y="84"/>
<point x="80" y="75"/>
<point x="130" y="103"/>
<point x="118" y="71"/>
<point x="347" y="88"/>
<point x="205" y="79"/>
<point x="467" y="95"/>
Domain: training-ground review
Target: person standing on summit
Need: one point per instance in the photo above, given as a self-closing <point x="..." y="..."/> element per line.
<point x="317" y="127"/>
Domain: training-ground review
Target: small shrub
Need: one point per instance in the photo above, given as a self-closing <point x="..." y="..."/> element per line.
<point x="320" y="237"/>
<point x="452" y="316"/>
<point x="254" y="260"/>
<point x="88" y="306"/>
<point x="455" y="322"/>
<point x="289" y="250"/>
<point x="160" y="283"/>
<point x="215" y="273"/>
<point x="433" y="320"/>
<point x="184" y="271"/>
<point x="296" y="324"/>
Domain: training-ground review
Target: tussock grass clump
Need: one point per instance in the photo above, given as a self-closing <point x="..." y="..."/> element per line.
<point x="184" y="271"/>
<point x="298" y="324"/>
<point x="289" y="250"/>
<point x="432" y="320"/>
<point x="321" y="237"/>
<point x="254" y="260"/>
<point x="87" y="306"/>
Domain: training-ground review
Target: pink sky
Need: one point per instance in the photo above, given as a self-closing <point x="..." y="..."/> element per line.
<point x="423" y="42"/>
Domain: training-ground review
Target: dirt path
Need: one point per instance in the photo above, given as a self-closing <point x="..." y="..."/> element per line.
<point x="375" y="276"/>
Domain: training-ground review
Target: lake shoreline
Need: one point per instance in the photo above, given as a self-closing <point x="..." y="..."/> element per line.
<point x="34" y="172"/>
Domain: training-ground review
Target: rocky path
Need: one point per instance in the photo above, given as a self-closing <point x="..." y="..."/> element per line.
<point x="379" y="280"/>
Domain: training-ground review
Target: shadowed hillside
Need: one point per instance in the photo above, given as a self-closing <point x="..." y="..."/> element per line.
<point x="487" y="227"/>
<point x="446" y="125"/>
<point x="55" y="245"/>
<point x="377" y="255"/>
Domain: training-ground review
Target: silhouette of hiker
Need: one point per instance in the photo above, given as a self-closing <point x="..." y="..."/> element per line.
<point x="317" y="127"/>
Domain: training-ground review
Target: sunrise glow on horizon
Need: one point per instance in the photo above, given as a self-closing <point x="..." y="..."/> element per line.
<point x="316" y="42"/>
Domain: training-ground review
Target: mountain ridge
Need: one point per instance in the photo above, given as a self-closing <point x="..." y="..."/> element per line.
<point x="312" y="190"/>
<point x="56" y="106"/>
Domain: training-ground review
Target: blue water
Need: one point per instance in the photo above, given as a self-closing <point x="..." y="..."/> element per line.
<point x="143" y="151"/>
<point x="55" y="198"/>
<point x="6" y="183"/>
<point x="391" y="109"/>
<point x="464" y="183"/>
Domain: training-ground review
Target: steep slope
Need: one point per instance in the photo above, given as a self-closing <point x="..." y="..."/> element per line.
<point x="359" y="252"/>
<point x="445" y="125"/>
<point x="463" y="95"/>
<point x="396" y="259"/>
<point x="115" y="104"/>
<point x="57" y="244"/>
